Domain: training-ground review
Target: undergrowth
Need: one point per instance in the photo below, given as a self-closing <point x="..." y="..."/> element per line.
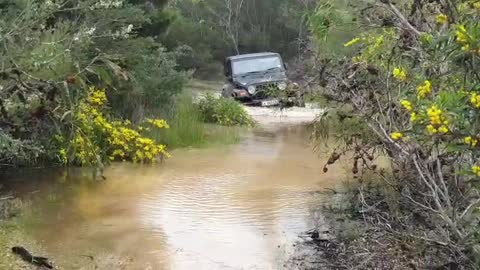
<point x="188" y="128"/>
<point x="224" y="111"/>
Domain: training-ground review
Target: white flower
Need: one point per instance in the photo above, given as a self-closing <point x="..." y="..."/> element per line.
<point x="49" y="3"/>
<point x="90" y="31"/>
<point x="124" y="32"/>
<point x="108" y="4"/>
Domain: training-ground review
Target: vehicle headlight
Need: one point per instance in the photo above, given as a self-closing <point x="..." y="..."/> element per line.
<point x="282" y="85"/>
<point x="252" y="89"/>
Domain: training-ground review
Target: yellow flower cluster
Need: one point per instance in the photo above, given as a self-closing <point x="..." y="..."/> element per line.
<point x="475" y="100"/>
<point x="352" y="42"/>
<point x="85" y="151"/>
<point x="413" y="117"/>
<point x="98" y="137"/>
<point x="471" y="141"/>
<point x="159" y="123"/>
<point x="463" y="38"/>
<point x="476" y="170"/>
<point x="438" y="123"/>
<point x="424" y="89"/>
<point x="407" y="105"/>
<point x="148" y="150"/>
<point x="462" y="34"/>
<point x="399" y="74"/>
<point x="130" y="145"/>
<point x="396" y="136"/>
<point x="97" y="96"/>
<point x="442" y="19"/>
<point x="435" y="115"/>
<point x="374" y="44"/>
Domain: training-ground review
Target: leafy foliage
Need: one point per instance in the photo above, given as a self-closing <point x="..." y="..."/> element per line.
<point x="224" y="111"/>
<point x="414" y="83"/>
<point x="219" y="28"/>
<point x="51" y="55"/>
<point x="96" y="138"/>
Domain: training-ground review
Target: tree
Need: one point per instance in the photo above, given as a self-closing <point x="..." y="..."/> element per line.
<point x="413" y="82"/>
<point x="52" y="54"/>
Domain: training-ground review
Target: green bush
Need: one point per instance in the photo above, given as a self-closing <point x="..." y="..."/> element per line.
<point x="14" y="151"/>
<point x="186" y="126"/>
<point x="417" y="91"/>
<point x="224" y="112"/>
<point x="188" y="129"/>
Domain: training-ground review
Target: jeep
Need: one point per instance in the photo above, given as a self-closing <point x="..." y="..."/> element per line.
<point x="256" y="79"/>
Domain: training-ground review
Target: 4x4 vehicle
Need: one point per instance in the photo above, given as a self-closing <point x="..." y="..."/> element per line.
<point x="257" y="79"/>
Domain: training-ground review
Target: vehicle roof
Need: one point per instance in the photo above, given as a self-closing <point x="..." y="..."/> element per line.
<point x="251" y="55"/>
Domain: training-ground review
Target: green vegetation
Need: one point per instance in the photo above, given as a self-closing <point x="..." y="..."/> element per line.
<point x="411" y="78"/>
<point x="224" y="111"/>
<point x="208" y="31"/>
<point x="188" y="128"/>
<point x="84" y="83"/>
<point x="69" y="77"/>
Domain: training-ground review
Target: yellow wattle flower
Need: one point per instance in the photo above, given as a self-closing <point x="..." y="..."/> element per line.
<point x="476" y="170"/>
<point x="475" y="100"/>
<point x="442" y="19"/>
<point x="462" y="35"/>
<point x="470" y="141"/>
<point x="443" y="129"/>
<point x="396" y="136"/>
<point x="413" y="117"/>
<point x="399" y="74"/>
<point x="431" y="129"/>
<point x="407" y="105"/>
<point x="424" y="89"/>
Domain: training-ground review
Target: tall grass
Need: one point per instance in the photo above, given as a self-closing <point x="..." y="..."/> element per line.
<point x="187" y="128"/>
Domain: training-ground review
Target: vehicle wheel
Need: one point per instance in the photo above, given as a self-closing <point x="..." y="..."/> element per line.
<point x="227" y="91"/>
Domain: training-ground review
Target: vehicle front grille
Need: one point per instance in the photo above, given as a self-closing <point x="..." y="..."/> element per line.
<point x="264" y="90"/>
<point x="266" y="87"/>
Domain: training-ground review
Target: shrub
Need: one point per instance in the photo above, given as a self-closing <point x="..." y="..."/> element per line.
<point x="20" y="152"/>
<point x="224" y="111"/>
<point x="186" y="125"/>
<point x="415" y="85"/>
<point x="55" y="52"/>
<point x="95" y="138"/>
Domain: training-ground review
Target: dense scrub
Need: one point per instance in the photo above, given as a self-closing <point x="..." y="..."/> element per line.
<point x="224" y="111"/>
<point x="69" y="77"/>
<point x="208" y="31"/>
<point x="411" y="77"/>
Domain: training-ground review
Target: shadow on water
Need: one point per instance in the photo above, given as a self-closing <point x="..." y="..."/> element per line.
<point x="235" y="207"/>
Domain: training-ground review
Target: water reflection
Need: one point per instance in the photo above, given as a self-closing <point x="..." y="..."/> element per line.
<point x="238" y="207"/>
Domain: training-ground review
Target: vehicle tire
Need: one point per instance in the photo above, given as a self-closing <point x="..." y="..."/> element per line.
<point x="227" y="91"/>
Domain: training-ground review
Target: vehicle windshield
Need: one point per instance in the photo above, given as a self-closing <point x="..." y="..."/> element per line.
<point x="253" y="65"/>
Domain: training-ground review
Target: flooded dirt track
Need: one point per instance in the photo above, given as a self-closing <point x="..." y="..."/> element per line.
<point x="236" y="207"/>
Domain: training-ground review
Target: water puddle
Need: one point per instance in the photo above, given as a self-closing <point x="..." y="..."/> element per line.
<point x="237" y="207"/>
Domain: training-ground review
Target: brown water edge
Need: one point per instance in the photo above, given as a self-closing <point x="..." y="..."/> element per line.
<point x="236" y="207"/>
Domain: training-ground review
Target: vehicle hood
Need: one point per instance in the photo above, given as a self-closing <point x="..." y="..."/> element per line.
<point x="258" y="79"/>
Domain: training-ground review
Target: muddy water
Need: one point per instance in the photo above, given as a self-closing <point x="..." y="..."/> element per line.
<point x="236" y="207"/>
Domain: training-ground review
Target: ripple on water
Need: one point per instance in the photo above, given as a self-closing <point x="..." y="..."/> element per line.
<point x="239" y="207"/>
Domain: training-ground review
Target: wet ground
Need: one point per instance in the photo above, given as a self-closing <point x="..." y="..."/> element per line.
<point x="235" y="207"/>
